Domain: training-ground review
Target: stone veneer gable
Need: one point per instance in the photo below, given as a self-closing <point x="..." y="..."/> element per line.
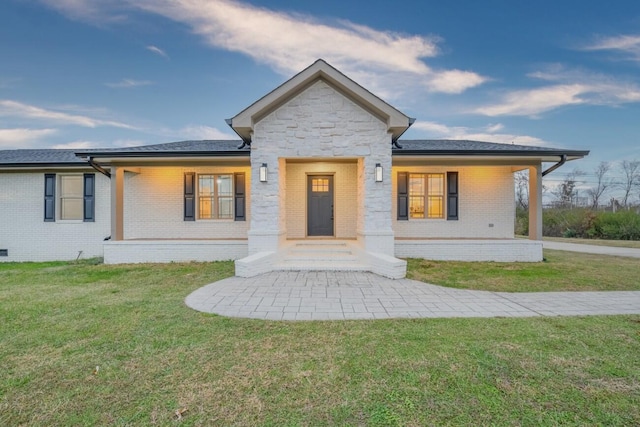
<point x="321" y="123"/>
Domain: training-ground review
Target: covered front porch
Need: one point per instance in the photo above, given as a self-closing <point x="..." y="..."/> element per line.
<point x="321" y="214"/>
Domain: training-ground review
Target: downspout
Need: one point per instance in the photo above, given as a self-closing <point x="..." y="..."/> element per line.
<point x="562" y="161"/>
<point x="99" y="168"/>
<point x="245" y="142"/>
<point x="394" y="142"/>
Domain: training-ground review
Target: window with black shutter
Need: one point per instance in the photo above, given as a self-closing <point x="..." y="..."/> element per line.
<point x="239" y="196"/>
<point x="189" y="196"/>
<point x="89" y="208"/>
<point x="50" y="197"/>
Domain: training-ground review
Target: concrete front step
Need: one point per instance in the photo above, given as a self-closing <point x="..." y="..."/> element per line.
<point x="320" y="249"/>
<point x="319" y="256"/>
<point x="320" y="266"/>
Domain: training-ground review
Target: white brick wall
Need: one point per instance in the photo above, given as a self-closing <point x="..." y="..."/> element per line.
<point x="137" y="251"/>
<point x="345" y="195"/>
<point x="154" y="206"/>
<point x="486" y="205"/>
<point x="28" y="238"/>
<point x="508" y="250"/>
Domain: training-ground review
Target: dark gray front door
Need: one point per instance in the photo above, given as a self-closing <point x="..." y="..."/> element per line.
<point x="320" y="205"/>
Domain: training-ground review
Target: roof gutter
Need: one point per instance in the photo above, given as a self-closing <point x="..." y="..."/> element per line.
<point x="562" y="161"/>
<point x="394" y="141"/>
<point x="99" y="168"/>
<point x="245" y="141"/>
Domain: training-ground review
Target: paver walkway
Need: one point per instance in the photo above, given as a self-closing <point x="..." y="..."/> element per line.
<point x="592" y="249"/>
<point x="359" y="295"/>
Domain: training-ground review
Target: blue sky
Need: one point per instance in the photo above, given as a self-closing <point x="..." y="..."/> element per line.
<point x="82" y="73"/>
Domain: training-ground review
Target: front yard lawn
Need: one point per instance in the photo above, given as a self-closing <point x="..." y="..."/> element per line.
<point x="91" y="344"/>
<point x="561" y="271"/>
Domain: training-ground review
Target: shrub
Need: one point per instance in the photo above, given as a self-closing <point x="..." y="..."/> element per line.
<point x="566" y="222"/>
<point x="623" y="225"/>
<point x="585" y="223"/>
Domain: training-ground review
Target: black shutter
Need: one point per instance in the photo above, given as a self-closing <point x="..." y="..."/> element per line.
<point x="49" y="197"/>
<point x="452" y="195"/>
<point x="239" y="196"/>
<point x="189" y="196"/>
<point x="403" y="196"/>
<point x="89" y="197"/>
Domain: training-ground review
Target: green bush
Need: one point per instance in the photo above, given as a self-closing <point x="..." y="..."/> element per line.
<point x="567" y="222"/>
<point x="522" y="222"/>
<point x="583" y="223"/>
<point x="623" y="225"/>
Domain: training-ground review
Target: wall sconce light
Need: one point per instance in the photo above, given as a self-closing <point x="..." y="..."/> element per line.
<point x="378" y="172"/>
<point x="263" y="173"/>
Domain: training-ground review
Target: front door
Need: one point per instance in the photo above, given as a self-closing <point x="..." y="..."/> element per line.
<point x="320" y="205"/>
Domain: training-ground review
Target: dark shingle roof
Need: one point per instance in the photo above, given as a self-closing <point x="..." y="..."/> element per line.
<point x="194" y="148"/>
<point x="34" y="157"/>
<point x="463" y="147"/>
<point x="432" y="147"/>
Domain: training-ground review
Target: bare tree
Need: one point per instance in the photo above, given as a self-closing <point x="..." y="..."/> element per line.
<point x="522" y="189"/>
<point x="566" y="191"/>
<point x="603" y="182"/>
<point x="631" y="179"/>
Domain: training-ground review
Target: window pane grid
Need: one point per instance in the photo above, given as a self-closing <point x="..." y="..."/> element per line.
<point x="426" y="195"/>
<point x="320" y="185"/>
<point x="71" y="197"/>
<point x="215" y="196"/>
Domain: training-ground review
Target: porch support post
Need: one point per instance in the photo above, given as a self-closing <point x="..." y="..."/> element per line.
<point x="117" y="203"/>
<point x="535" y="202"/>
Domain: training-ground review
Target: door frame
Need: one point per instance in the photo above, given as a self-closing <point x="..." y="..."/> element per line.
<point x="306" y="204"/>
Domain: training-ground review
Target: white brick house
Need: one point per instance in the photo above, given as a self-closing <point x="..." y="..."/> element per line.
<point x="319" y="180"/>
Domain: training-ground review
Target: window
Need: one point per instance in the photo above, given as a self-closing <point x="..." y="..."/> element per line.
<point x="426" y="195"/>
<point x="423" y="195"/>
<point x="71" y="197"/>
<point x="320" y="185"/>
<point x="73" y="200"/>
<point x="215" y="196"/>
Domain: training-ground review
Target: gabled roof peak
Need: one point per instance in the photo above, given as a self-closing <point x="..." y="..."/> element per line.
<point x="243" y="122"/>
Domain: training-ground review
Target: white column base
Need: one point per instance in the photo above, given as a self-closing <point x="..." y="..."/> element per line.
<point x="265" y="240"/>
<point x="381" y="242"/>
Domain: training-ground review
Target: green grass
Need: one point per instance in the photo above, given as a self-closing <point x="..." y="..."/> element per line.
<point x="561" y="271"/>
<point x="598" y="242"/>
<point x="59" y="321"/>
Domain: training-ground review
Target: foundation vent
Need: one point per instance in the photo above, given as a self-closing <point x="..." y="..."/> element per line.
<point x="4" y="252"/>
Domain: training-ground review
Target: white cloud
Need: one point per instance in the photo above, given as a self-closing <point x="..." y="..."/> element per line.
<point x="290" y="42"/>
<point x="495" y="128"/>
<point x="77" y="145"/>
<point x="97" y="12"/>
<point x="454" y="81"/>
<point x="626" y="44"/>
<point x="129" y="83"/>
<point x="157" y="51"/>
<point x="530" y="102"/>
<point x="204" y="132"/>
<point x="568" y="87"/>
<point x="10" y="108"/>
<point x="489" y="133"/>
<point x="22" y="137"/>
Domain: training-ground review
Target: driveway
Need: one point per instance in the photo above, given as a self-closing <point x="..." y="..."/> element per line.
<point x="592" y="249"/>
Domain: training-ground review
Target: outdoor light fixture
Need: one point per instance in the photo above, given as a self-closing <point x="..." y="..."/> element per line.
<point x="378" y="172"/>
<point x="263" y="173"/>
